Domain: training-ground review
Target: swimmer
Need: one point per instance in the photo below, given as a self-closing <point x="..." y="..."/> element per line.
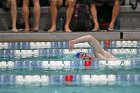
<point x="98" y="50"/>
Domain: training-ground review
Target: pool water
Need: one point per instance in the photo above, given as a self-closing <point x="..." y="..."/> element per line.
<point x="70" y="89"/>
<point x="49" y="67"/>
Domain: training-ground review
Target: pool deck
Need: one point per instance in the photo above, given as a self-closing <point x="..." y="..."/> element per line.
<point x="63" y="36"/>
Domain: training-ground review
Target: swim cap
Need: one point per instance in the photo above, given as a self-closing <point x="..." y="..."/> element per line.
<point x="77" y="55"/>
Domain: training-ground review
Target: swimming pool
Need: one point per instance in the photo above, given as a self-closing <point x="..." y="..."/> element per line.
<point x="49" y="67"/>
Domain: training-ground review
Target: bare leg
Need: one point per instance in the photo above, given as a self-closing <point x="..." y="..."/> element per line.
<point x="53" y="10"/>
<point x="36" y="14"/>
<point x="115" y="13"/>
<point x="70" y="9"/>
<point x="26" y="14"/>
<point x="13" y="14"/>
<point x="94" y="16"/>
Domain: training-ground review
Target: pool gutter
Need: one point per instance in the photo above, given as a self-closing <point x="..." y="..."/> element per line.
<point x="62" y="36"/>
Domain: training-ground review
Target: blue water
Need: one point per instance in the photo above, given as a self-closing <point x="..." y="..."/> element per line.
<point x="127" y="74"/>
<point x="123" y="85"/>
<point x="70" y="89"/>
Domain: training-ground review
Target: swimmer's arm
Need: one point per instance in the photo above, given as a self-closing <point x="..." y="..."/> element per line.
<point x="82" y="39"/>
<point x="88" y="38"/>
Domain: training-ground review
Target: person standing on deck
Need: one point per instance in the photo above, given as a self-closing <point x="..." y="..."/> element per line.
<point x="53" y="9"/>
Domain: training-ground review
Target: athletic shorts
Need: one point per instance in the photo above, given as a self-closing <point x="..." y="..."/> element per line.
<point x="42" y="3"/>
<point x="64" y="1"/>
<point x="63" y="4"/>
<point x="101" y="1"/>
<point x="89" y="2"/>
<point x="3" y="5"/>
<point x="20" y="2"/>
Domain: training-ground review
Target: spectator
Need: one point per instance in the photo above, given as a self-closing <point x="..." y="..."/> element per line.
<point x="115" y="13"/>
<point x="11" y="4"/>
<point x="25" y="9"/>
<point x="53" y="9"/>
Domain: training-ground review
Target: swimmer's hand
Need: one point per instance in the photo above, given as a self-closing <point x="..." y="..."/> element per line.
<point x="71" y="45"/>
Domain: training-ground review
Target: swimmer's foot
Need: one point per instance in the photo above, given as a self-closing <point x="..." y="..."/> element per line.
<point x="67" y="29"/>
<point x="110" y="29"/>
<point x="53" y="29"/>
<point x="36" y="29"/>
<point x="95" y="29"/>
<point x="26" y="30"/>
<point x="14" y="30"/>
